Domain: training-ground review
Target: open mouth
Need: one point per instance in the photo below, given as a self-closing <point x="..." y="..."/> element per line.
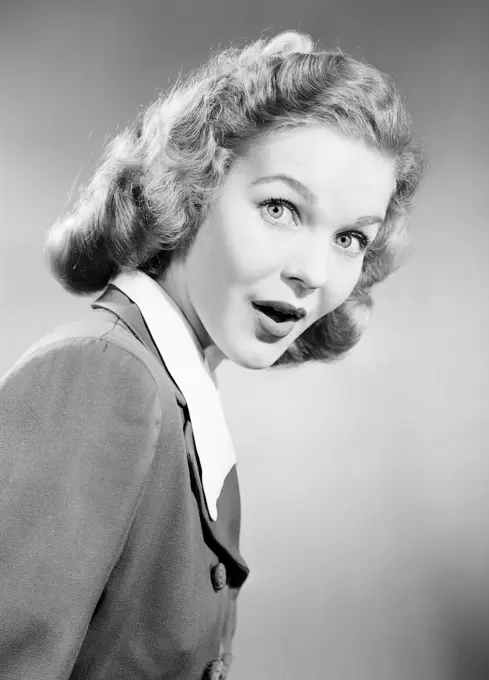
<point x="276" y="319"/>
<point x="280" y="311"/>
<point x="275" y="314"/>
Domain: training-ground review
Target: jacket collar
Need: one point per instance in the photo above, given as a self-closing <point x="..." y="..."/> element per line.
<point x="185" y="361"/>
<point x="129" y="313"/>
<point x="224" y="532"/>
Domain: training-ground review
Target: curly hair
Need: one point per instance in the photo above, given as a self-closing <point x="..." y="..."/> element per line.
<point x="159" y="176"/>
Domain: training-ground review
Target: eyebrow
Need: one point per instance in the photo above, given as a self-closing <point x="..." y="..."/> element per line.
<point x="306" y="193"/>
<point x="293" y="183"/>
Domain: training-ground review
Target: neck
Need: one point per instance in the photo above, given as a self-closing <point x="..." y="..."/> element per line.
<point x="214" y="358"/>
<point x="173" y="283"/>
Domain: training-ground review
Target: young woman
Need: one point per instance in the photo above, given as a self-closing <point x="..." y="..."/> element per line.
<point x="245" y="217"/>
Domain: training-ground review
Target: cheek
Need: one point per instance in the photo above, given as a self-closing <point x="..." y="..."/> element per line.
<point x="243" y="246"/>
<point x="350" y="280"/>
<point x="341" y="283"/>
<point x="224" y="257"/>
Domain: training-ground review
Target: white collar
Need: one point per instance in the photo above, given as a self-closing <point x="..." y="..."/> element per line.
<point x="185" y="361"/>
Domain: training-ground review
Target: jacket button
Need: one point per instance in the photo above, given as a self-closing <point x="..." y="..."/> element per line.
<point x="214" y="670"/>
<point x="226" y="659"/>
<point x="218" y="576"/>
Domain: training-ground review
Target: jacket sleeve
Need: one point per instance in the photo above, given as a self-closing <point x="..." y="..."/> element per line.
<point x="79" y="422"/>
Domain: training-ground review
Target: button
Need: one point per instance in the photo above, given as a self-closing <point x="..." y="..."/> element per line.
<point x="218" y="576"/>
<point x="226" y="659"/>
<point x="214" y="670"/>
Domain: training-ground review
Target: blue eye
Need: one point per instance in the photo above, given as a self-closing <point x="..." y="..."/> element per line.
<point x="279" y="211"/>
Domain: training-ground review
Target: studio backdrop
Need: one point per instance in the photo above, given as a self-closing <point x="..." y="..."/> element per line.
<point x="364" y="483"/>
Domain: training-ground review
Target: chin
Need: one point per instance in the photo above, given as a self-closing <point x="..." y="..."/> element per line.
<point x="254" y="365"/>
<point x="256" y="358"/>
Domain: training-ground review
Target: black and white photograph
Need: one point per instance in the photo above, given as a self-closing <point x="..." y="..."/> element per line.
<point x="244" y="365"/>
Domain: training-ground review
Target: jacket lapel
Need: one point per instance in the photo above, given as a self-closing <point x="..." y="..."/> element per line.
<point x="125" y="309"/>
<point x="224" y="532"/>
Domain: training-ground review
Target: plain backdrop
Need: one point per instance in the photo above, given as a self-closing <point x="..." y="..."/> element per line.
<point x="365" y="485"/>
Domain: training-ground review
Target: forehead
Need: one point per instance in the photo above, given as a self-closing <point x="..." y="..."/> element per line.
<point x="343" y="173"/>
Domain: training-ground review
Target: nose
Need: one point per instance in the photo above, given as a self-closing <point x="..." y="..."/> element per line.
<point x="308" y="263"/>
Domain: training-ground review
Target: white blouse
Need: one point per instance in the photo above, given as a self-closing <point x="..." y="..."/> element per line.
<point x="186" y="363"/>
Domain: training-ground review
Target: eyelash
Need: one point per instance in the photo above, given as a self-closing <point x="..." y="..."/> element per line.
<point x="280" y="201"/>
<point x="364" y="241"/>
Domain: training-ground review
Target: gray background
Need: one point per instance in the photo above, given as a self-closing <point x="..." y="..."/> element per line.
<point x="365" y="484"/>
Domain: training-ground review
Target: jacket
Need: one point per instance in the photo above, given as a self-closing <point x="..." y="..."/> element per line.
<point x="110" y="565"/>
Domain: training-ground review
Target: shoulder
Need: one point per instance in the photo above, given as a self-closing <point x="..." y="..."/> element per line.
<point x="92" y="389"/>
<point x="102" y="350"/>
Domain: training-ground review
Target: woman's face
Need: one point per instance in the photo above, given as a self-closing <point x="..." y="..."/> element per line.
<point x="290" y="225"/>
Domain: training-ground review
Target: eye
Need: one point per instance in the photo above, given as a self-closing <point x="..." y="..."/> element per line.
<point x="279" y="211"/>
<point x="353" y="242"/>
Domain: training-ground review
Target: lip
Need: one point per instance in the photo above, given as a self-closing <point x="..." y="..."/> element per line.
<point x="285" y="307"/>
<point x="276" y="330"/>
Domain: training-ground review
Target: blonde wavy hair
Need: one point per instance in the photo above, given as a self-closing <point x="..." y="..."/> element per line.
<point x="159" y="176"/>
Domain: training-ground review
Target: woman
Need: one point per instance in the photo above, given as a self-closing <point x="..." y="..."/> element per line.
<point x="245" y="217"/>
